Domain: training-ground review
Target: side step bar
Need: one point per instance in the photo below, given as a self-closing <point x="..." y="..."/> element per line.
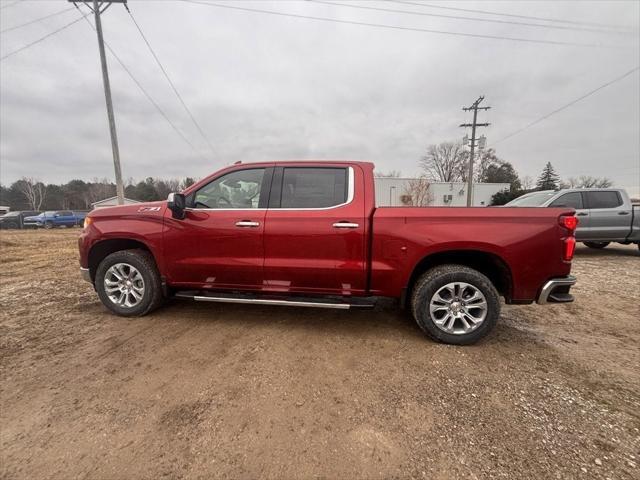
<point x="335" y="303"/>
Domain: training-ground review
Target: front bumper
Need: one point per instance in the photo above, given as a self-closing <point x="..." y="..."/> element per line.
<point x="556" y="290"/>
<point x="85" y="274"/>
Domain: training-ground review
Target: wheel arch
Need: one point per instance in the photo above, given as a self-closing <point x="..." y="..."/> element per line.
<point x="100" y="250"/>
<point x="489" y="264"/>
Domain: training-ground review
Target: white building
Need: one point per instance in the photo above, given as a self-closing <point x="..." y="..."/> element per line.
<point x="393" y="192"/>
<point x="111" y="202"/>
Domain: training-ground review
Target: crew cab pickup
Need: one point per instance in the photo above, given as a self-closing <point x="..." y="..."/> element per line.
<point x="308" y="234"/>
<point x="61" y="218"/>
<point x="606" y="214"/>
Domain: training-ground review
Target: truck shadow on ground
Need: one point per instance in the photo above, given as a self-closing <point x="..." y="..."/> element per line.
<point x="385" y="322"/>
<point x="609" y="251"/>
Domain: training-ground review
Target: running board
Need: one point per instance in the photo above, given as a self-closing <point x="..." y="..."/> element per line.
<point x="337" y="303"/>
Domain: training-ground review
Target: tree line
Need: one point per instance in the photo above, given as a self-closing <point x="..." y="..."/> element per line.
<point x="449" y="162"/>
<point x="32" y="194"/>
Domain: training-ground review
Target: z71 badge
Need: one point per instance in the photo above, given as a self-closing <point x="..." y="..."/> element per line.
<point x="148" y="209"/>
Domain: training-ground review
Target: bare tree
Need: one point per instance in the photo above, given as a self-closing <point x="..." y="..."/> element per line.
<point x="33" y="190"/>
<point x="165" y="187"/>
<point x="445" y="162"/>
<point x="99" y="189"/>
<point x="585" y="181"/>
<point x="418" y="192"/>
<point x="527" y="182"/>
<point x="389" y="174"/>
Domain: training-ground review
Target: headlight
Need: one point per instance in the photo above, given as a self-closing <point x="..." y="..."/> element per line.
<point x="87" y="221"/>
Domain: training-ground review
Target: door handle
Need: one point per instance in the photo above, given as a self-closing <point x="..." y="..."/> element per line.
<point x="623" y="213"/>
<point x="247" y="223"/>
<point x="345" y="225"/>
<point x="581" y="214"/>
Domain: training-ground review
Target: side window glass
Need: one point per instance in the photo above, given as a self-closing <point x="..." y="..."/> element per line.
<point x="239" y="189"/>
<point x="604" y="199"/>
<point x="572" y="200"/>
<point x="304" y="187"/>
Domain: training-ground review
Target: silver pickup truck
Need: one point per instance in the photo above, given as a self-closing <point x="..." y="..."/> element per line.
<point x="606" y="214"/>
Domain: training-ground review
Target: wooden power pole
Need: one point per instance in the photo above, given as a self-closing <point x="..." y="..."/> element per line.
<point x="98" y="8"/>
<point x="475" y="107"/>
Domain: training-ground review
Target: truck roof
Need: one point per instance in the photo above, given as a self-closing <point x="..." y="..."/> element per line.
<point x="311" y="161"/>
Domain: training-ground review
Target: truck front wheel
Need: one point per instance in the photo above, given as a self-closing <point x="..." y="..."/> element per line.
<point x="455" y="304"/>
<point x="128" y="283"/>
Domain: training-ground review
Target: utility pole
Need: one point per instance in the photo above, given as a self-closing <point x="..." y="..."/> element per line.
<point x="98" y="8"/>
<point x="475" y="107"/>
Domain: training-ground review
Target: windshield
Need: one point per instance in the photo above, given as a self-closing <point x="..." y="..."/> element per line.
<point x="533" y="200"/>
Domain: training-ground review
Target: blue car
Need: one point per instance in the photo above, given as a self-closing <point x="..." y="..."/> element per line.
<point x="58" y="218"/>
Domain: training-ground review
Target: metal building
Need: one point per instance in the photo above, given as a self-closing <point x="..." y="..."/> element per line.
<point x="394" y="192"/>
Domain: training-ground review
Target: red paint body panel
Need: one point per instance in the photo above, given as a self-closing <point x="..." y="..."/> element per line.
<point x="528" y="241"/>
<point x="300" y="251"/>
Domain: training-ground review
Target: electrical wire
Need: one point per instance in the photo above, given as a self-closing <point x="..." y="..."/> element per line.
<point x="455" y="17"/>
<point x="573" y="102"/>
<point x="398" y="27"/>
<point x="59" y="12"/>
<point x="4" y="57"/>
<point x="512" y="15"/>
<point x="9" y="4"/>
<point x="173" y="86"/>
<point x="146" y="94"/>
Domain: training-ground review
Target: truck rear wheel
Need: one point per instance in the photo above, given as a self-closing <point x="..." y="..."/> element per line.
<point x="596" y="245"/>
<point x="128" y="283"/>
<point x="455" y="304"/>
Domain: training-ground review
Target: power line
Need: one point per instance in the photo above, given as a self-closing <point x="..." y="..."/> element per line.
<point x="455" y="17"/>
<point x="175" y="90"/>
<point x="153" y="102"/>
<point x="573" y="102"/>
<point x="9" y="29"/>
<point x="512" y="15"/>
<point x="9" y="5"/>
<point x="397" y="27"/>
<point x="41" y="38"/>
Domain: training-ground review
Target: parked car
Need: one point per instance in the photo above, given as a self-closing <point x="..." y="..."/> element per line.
<point x="15" y="219"/>
<point x="59" y="218"/>
<point x="606" y="214"/>
<point x="308" y="234"/>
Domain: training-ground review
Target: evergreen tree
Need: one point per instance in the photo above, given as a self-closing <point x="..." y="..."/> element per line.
<point x="548" y="179"/>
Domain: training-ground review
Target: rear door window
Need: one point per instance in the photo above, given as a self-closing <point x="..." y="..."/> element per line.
<point x="603" y="199"/>
<point x="572" y="200"/>
<point x="306" y="187"/>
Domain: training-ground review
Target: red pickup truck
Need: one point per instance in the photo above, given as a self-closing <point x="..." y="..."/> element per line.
<point x="308" y="234"/>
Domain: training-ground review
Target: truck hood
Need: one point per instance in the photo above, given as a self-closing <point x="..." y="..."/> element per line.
<point x="143" y="208"/>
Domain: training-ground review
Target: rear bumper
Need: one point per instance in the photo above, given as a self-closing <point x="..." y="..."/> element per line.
<point x="556" y="290"/>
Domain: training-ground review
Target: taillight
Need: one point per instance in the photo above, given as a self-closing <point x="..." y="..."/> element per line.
<point x="569" y="222"/>
<point x="569" y="248"/>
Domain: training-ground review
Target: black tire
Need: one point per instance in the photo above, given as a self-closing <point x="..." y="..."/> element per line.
<point x="596" y="245"/>
<point x="143" y="261"/>
<point x="13" y="225"/>
<point x="436" y="278"/>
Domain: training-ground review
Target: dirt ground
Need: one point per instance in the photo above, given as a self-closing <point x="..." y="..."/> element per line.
<point x="230" y="391"/>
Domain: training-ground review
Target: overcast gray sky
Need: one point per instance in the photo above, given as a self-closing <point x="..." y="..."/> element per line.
<point x="267" y="87"/>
